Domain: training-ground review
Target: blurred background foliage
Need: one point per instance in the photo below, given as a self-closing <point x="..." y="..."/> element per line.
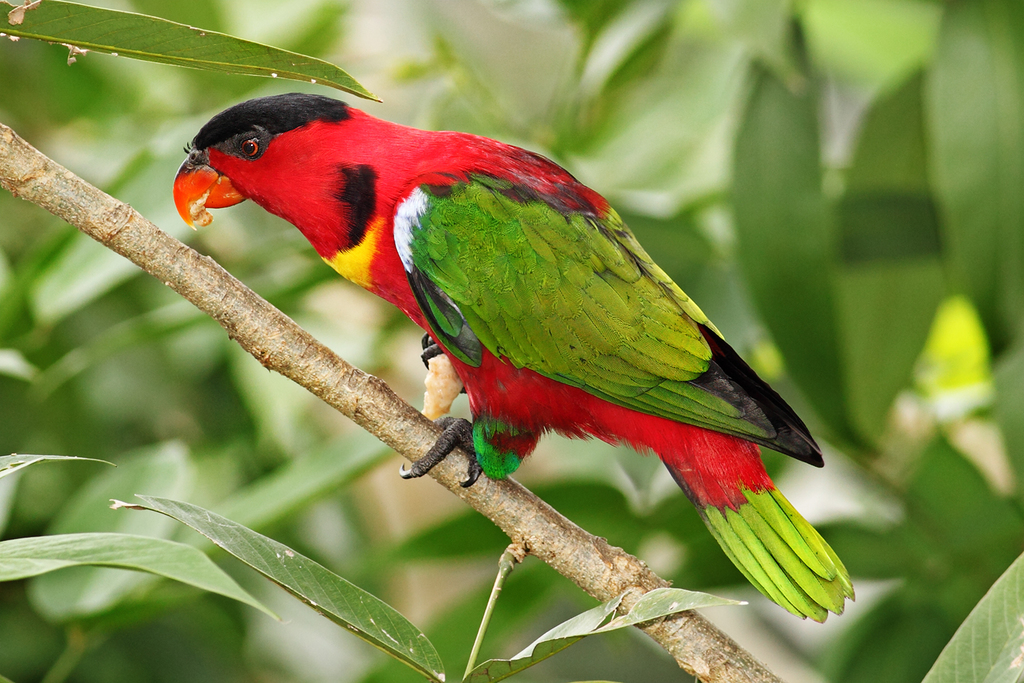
<point x="839" y="184"/>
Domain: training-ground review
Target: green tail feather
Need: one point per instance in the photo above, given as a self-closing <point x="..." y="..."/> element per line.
<point x="781" y="554"/>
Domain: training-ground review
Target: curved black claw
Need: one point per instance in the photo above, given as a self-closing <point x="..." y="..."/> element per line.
<point x="431" y="349"/>
<point x="458" y="433"/>
<point x="473" y="474"/>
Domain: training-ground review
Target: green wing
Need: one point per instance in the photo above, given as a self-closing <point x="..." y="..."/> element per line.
<point x="571" y="296"/>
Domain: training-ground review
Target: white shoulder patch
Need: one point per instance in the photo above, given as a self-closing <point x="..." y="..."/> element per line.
<point x="407" y="219"/>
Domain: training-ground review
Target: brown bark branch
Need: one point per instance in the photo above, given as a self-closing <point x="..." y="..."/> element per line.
<point x="602" y="570"/>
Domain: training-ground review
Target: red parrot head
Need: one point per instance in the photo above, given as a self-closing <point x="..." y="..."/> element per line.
<point x="280" y="151"/>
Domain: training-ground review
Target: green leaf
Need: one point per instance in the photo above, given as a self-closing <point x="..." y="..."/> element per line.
<point x="975" y="105"/>
<point x="666" y="143"/>
<point x="989" y="645"/>
<point x="876" y="365"/>
<point x="954" y="371"/>
<point x="891" y="153"/>
<point x="660" y="602"/>
<point x="888" y="226"/>
<point x="24" y="557"/>
<point x="788" y="239"/>
<point x="875" y="43"/>
<point x="276" y="403"/>
<point x="1009" y="406"/>
<point x="86" y="591"/>
<point x="950" y="500"/>
<point x="593" y="15"/>
<point x="7" y="490"/>
<point x="9" y="464"/>
<point x="152" y="326"/>
<point x="166" y="42"/>
<point x="895" y="641"/>
<point x="82" y="272"/>
<point x="889" y="235"/>
<point x="347" y="605"/>
<point x="765" y="27"/>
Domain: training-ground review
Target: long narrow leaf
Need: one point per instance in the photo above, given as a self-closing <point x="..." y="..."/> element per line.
<point x="24" y="557"/>
<point x="347" y="605"/>
<point x="151" y="39"/>
<point x="9" y="464"/>
<point x="658" y="603"/>
<point x="787" y="239"/>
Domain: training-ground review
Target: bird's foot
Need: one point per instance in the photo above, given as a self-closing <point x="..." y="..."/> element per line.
<point x="458" y="433"/>
<point x="431" y="349"/>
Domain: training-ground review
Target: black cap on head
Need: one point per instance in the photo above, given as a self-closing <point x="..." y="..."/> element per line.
<point x="275" y="114"/>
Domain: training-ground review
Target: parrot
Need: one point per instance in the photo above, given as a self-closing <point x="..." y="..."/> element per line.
<point x="553" y="315"/>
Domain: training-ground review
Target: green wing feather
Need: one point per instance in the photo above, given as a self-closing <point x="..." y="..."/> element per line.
<point x="571" y="296"/>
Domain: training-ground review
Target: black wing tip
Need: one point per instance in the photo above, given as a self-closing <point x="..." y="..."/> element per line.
<point x="797" y="445"/>
<point x="432" y="300"/>
<point x="791" y="434"/>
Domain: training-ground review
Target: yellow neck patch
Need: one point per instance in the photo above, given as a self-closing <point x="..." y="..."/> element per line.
<point x="354" y="264"/>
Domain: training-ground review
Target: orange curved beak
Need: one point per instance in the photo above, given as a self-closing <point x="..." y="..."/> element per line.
<point x="198" y="187"/>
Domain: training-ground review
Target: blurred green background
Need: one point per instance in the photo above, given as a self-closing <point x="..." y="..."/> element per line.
<point x="838" y="184"/>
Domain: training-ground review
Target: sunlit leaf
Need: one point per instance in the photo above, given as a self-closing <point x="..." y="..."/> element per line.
<point x="662" y="602"/>
<point x="658" y="603"/>
<point x="24" y="557"/>
<point x="9" y="464"/>
<point x="873" y="42"/>
<point x="345" y="604"/>
<point x="13" y="364"/>
<point x="989" y="645"/>
<point x="954" y="371"/>
<point x="157" y="40"/>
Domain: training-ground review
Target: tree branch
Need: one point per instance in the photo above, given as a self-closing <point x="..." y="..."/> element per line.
<point x="602" y="570"/>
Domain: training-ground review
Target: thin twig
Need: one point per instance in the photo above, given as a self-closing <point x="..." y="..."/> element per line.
<point x="506" y="563"/>
<point x="603" y="571"/>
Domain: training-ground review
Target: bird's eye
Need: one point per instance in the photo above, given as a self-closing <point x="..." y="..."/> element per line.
<point x="251" y="147"/>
